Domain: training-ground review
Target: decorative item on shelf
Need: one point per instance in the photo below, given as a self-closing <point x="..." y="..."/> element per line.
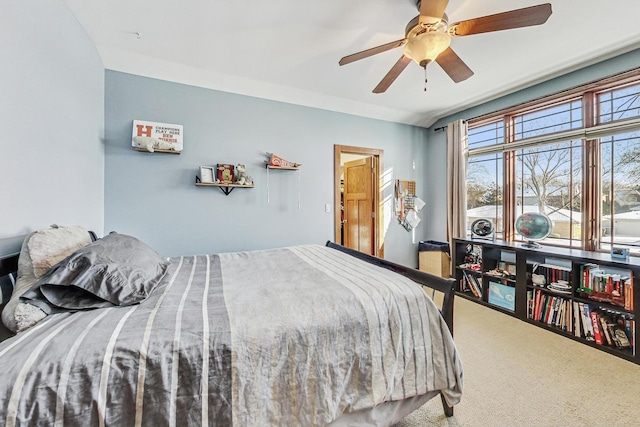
<point x="472" y="257"/>
<point x="500" y="273"/>
<point x="560" y="287"/>
<point x="619" y="253"/>
<point x="243" y="178"/>
<point x="482" y="228"/>
<point x="222" y="177"/>
<point x="225" y="173"/>
<point x="278" y="162"/>
<point x="157" y="137"/>
<point x="502" y="295"/>
<point x="407" y="204"/>
<point x="207" y="175"/>
<point x="538" y="279"/>
<point x="533" y="226"/>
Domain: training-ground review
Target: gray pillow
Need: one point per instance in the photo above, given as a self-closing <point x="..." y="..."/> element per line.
<point x="117" y="270"/>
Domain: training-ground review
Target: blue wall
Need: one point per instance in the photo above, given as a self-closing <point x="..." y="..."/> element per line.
<point x="153" y="196"/>
<point x="52" y="116"/>
<point x="436" y="147"/>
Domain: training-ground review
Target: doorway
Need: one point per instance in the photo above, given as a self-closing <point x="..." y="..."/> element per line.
<point x="358" y="214"/>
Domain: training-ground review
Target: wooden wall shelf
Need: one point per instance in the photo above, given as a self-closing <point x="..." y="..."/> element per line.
<point x="283" y="168"/>
<point x="144" y="150"/>
<point x="225" y="187"/>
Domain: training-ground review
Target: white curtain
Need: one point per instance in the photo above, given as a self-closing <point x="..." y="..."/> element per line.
<point x="457" y="153"/>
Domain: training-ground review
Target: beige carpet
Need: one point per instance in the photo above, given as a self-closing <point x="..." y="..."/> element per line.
<point x="516" y="374"/>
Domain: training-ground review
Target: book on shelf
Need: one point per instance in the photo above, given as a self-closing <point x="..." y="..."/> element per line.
<point x="596" y="327"/>
<point x="576" y="320"/>
<point x="620" y="338"/>
<point x="586" y="322"/>
<point x="473" y="284"/>
<point x="604" y="323"/>
<point x="628" y="293"/>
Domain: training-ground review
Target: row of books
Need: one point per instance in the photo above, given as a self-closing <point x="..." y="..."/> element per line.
<point x="550" y="309"/>
<point x="472" y="283"/>
<point x="553" y="273"/>
<point x="604" y="286"/>
<point x="605" y="327"/>
<point x="600" y="325"/>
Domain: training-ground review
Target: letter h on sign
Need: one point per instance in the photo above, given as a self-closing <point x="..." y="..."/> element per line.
<point x="144" y="130"/>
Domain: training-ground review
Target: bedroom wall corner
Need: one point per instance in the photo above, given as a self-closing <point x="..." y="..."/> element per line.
<point x="52" y="110"/>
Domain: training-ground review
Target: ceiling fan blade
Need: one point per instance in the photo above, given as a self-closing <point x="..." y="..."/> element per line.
<point x="526" y="17"/>
<point x="370" y="52"/>
<point x="433" y="8"/>
<point x="454" y="66"/>
<point x="393" y="74"/>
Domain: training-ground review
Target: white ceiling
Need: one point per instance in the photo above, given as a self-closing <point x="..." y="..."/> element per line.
<point x="288" y="50"/>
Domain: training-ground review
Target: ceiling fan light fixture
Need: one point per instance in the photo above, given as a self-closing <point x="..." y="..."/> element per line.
<point x="426" y="47"/>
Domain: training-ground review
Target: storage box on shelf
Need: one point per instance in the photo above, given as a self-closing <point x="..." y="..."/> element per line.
<point x="586" y="296"/>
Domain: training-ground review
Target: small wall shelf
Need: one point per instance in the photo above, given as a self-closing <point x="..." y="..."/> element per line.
<point x="144" y="150"/>
<point x="283" y="168"/>
<point x="225" y="187"/>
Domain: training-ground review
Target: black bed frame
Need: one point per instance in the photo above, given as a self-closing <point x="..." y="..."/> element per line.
<point x="436" y="283"/>
<point x="9" y="265"/>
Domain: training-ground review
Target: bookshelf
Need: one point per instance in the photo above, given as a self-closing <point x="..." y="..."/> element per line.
<point x="586" y="296"/>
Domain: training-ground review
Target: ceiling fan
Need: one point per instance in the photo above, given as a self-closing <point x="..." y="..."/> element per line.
<point x="428" y="36"/>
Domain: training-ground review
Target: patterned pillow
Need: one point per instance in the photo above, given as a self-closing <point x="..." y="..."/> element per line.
<point x="40" y="251"/>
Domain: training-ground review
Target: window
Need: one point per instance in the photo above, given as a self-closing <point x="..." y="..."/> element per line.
<point x="620" y="190"/>
<point x="557" y="118"/>
<point x="485" y="177"/>
<point x="549" y="180"/>
<point x="618" y="104"/>
<point x="484" y="191"/>
<point x="575" y="158"/>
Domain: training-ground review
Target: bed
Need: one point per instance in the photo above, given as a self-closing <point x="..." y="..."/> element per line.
<point x="304" y="335"/>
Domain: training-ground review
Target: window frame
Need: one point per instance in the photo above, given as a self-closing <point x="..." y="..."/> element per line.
<point x="590" y="133"/>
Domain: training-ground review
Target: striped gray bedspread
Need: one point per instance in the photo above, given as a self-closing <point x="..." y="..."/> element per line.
<point x="283" y="337"/>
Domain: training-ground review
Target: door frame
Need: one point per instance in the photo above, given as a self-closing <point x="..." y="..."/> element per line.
<point x="377" y="188"/>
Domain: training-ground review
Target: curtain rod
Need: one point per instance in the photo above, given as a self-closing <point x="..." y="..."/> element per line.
<point x="445" y="126"/>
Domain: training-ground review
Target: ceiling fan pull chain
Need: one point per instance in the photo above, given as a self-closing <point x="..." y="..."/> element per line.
<point x="425" y="78"/>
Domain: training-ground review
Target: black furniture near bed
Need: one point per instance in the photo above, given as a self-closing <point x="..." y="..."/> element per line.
<point x="343" y="337"/>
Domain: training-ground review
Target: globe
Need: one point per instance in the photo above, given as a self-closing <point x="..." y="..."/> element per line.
<point x="533" y="226"/>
